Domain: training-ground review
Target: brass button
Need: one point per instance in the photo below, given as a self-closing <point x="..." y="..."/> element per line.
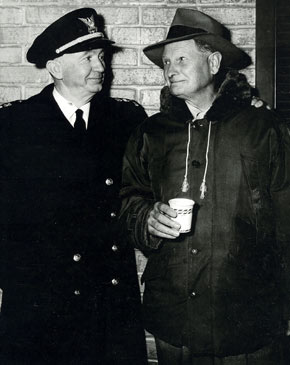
<point x="194" y="251"/>
<point x="115" y="281"/>
<point x="109" y="181"/>
<point x="113" y="214"/>
<point x="192" y="294"/>
<point x="77" y="257"/>
<point x="114" y="248"/>
<point x="195" y="164"/>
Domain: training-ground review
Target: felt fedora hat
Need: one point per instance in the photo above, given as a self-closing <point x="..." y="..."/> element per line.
<point x="193" y="24"/>
<point x="79" y="30"/>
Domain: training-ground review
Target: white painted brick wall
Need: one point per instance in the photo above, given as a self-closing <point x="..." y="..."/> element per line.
<point x="133" y="24"/>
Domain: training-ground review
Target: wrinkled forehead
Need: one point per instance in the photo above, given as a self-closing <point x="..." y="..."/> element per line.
<point x="187" y="46"/>
<point x="95" y="51"/>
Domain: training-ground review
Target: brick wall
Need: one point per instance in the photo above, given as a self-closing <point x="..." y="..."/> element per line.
<point x="283" y="59"/>
<point x="132" y="24"/>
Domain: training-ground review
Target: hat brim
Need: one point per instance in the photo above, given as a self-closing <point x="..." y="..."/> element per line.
<point x="233" y="57"/>
<point x="40" y="58"/>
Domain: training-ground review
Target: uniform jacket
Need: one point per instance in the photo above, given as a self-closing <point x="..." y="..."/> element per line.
<point x="68" y="277"/>
<point x="217" y="289"/>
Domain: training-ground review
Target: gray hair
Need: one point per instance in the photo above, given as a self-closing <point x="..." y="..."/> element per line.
<point x="204" y="47"/>
<point x="208" y="49"/>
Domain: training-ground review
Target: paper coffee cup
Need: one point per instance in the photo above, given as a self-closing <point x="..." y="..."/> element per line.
<point x="183" y="208"/>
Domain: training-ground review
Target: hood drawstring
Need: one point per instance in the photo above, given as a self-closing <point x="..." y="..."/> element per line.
<point x="185" y="184"/>
<point x="203" y="187"/>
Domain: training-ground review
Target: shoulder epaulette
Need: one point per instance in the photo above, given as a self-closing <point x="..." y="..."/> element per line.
<point x="10" y="103"/>
<point x="128" y="101"/>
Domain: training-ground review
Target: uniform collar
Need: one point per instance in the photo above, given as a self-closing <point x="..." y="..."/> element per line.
<point x="69" y="109"/>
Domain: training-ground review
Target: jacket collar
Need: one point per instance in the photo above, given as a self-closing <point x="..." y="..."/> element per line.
<point x="235" y="92"/>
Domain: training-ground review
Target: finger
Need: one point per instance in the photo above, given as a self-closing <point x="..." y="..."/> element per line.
<point x="257" y="103"/>
<point x="163" y="225"/>
<point x="160" y="224"/>
<point x="254" y="100"/>
<point x="159" y="234"/>
<point x="166" y="209"/>
<point x="162" y="213"/>
<point x="159" y="230"/>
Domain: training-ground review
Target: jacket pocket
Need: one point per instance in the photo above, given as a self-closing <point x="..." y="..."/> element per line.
<point x="256" y="174"/>
<point x="250" y="169"/>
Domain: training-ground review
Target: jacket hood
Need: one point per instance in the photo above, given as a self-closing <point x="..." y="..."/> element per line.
<point x="235" y="91"/>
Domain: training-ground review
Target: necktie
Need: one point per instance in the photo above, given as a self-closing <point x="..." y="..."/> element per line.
<point x="80" y="124"/>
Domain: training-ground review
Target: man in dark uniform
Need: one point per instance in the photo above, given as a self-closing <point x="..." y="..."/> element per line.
<point x="70" y="289"/>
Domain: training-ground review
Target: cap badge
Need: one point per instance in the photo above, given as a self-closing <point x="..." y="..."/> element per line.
<point x="90" y="23"/>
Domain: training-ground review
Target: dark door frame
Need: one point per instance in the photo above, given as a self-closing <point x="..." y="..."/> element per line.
<point x="265" y="50"/>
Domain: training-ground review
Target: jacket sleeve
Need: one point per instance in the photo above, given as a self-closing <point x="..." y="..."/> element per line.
<point x="136" y="193"/>
<point x="280" y="191"/>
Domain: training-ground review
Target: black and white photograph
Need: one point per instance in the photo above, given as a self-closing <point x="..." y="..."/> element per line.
<point x="145" y="182"/>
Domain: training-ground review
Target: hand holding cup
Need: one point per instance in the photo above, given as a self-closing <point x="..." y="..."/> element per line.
<point x="161" y="223"/>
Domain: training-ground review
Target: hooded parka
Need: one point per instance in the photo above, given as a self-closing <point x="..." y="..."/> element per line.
<point x="219" y="289"/>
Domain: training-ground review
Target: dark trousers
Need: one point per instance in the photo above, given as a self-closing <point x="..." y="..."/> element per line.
<point x="274" y="354"/>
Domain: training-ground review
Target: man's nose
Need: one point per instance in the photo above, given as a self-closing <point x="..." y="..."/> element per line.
<point x="98" y="65"/>
<point x="171" y="70"/>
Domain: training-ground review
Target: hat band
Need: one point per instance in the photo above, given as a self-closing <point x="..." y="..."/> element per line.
<point x="177" y="31"/>
<point x="79" y="40"/>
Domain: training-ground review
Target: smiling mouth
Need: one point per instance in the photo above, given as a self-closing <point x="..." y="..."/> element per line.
<point x="96" y="79"/>
<point x="176" y="82"/>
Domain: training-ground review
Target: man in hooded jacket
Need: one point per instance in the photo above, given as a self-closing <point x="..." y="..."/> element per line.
<point x="218" y="294"/>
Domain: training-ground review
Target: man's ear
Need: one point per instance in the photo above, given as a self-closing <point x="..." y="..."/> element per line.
<point x="214" y="62"/>
<point x="54" y="67"/>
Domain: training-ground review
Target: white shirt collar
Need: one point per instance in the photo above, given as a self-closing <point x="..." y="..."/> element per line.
<point x="196" y="113"/>
<point x="69" y="109"/>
